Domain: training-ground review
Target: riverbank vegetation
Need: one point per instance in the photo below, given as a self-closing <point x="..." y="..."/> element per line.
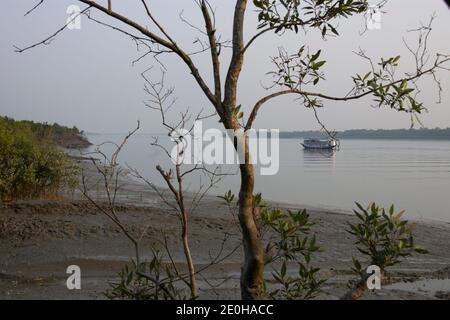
<point x="44" y="132"/>
<point x="31" y="164"/>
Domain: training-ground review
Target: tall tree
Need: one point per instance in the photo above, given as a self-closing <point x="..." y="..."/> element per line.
<point x="295" y="74"/>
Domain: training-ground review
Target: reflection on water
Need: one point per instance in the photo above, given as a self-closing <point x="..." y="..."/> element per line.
<point x="414" y="175"/>
<point x="314" y="156"/>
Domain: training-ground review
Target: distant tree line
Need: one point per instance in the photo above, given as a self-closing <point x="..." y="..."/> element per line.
<point x="31" y="164"/>
<point x="44" y="132"/>
<point x="414" y="134"/>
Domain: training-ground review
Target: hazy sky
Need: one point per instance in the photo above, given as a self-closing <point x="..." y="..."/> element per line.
<point x="85" y="77"/>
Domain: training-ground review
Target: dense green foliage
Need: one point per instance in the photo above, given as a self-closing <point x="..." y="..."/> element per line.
<point x="31" y="166"/>
<point x="404" y="134"/>
<point x="44" y="132"/>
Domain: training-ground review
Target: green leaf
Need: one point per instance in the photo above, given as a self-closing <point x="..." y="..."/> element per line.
<point x="357" y="264"/>
<point x="319" y="64"/>
<point x="315" y="56"/>
<point x="283" y="269"/>
<point x="333" y="29"/>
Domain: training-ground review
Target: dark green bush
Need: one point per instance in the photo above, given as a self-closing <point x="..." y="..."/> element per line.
<point x="30" y="168"/>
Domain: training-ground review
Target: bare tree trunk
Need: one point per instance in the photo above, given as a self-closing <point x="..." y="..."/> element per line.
<point x="178" y="194"/>
<point x="190" y="263"/>
<point x="185" y="230"/>
<point x="252" y="275"/>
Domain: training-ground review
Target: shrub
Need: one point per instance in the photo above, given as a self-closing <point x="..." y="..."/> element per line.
<point x="288" y="243"/>
<point x="383" y="238"/>
<point x="28" y="168"/>
<point x="292" y="245"/>
<point x="147" y="281"/>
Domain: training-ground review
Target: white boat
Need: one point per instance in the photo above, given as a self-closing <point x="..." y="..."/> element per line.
<point x="320" y="143"/>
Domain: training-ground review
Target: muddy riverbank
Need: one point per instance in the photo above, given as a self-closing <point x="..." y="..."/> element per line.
<point x="40" y="239"/>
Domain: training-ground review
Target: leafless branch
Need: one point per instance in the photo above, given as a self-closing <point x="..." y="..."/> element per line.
<point x="34" y="7"/>
<point x="50" y="38"/>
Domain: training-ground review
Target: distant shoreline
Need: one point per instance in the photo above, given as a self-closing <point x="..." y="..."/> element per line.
<point x="62" y="136"/>
<point x="76" y="141"/>
<point x="366" y="138"/>
<point x="396" y="134"/>
<point x="357" y="134"/>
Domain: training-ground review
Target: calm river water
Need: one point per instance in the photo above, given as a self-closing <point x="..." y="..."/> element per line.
<point x="414" y="175"/>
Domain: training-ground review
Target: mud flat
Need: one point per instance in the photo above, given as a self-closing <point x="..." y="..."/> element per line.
<point x="40" y="239"/>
